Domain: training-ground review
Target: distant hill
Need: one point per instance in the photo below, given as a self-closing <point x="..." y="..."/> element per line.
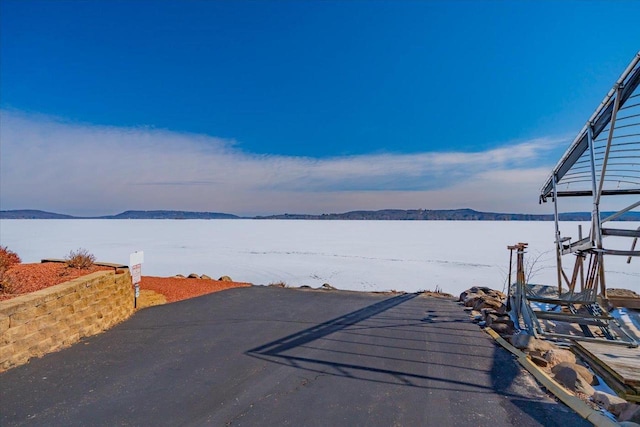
<point x="32" y="214"/>
<point x="447" y="215"/>
<point x="381" y="215"/>
<point x="169" y="215"/>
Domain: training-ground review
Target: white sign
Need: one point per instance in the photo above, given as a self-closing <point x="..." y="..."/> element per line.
<point x="135" y="264"/>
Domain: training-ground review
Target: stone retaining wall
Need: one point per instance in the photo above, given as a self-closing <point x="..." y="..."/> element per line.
<point x="53" y="318"/>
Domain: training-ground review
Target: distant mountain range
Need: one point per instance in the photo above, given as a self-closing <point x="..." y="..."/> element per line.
<point x="381" y="215"/>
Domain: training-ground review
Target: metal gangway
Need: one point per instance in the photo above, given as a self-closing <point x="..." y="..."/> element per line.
<point x="601" y="167"/>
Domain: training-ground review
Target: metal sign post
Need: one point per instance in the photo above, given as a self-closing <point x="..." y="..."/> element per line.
<point x="135" y="263"/>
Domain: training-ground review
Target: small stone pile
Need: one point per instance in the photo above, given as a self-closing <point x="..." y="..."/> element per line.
<point x="487" y="308"/>
<point x="562" y="365"/>
<point x="203" y="277"/>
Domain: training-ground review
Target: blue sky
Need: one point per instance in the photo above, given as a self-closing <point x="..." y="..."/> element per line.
<point x="268" y="107"/>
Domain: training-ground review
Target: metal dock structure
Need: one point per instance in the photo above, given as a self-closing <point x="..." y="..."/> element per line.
<point x="601" y="168"/>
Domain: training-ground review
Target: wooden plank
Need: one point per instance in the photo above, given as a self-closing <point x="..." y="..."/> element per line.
<point x="613" y="380"/>
<point x="628" y="302"/>
<point x="623" y="363"/>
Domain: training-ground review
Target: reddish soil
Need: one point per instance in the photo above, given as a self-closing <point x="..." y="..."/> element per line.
<point x="177" y="289"/>
<point x="21" y="279"/>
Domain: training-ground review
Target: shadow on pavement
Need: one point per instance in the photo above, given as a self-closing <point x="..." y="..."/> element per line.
<point x="396" y="341"/>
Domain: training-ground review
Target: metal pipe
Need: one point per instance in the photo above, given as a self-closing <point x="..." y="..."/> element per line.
<point x="558" y="242"/>
<point x="596" y="237"/>
<point x="582" y="259"/>
<point x="620" y="212"/>
<point x="633" y="246"/>
<point x="612" y="124"/>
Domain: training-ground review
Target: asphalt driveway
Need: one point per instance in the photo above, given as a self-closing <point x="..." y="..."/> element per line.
<point x="267" y="356"/>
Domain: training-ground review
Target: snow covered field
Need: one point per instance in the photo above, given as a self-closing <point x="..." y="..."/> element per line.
<point x="353" y="255"/>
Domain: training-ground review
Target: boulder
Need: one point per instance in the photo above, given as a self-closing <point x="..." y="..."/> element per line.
<point x="225" y="279"/>
<point x="495" y="318"/>
<point x="327" y="287"/>
<point x="503" y="328"/>
<point x="205" y="277"/>
<point x="471" y="299"/>
<point x="568" y="376"/>
<point x="584" y="372"/>
<point x="540" y="361"/>
<point x="531" y="343"/>
<point x="193" y="276"/>
<point x="486" y="302"/>
<point x="480" y="289"/>
<point x="179" y="276"/>
<point x="611" y="403"/>
<point x="498" y="294"/>
<point x="556" y="356"/>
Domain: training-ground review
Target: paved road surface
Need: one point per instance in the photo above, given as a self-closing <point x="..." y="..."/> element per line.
<point x="267" y="356"/>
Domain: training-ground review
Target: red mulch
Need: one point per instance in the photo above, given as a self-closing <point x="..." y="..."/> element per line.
<point x="26" y="278"/>
<point x="178" y="289"/>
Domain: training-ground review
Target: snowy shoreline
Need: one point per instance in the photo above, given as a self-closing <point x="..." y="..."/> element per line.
<point x="350" y="255"/>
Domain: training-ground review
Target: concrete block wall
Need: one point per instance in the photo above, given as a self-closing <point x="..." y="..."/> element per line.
<point x="53" y="318"/>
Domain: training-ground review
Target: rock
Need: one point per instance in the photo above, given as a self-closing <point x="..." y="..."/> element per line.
<point x="611" y="403"/>
<point x="503" y="328"/>
<point x="537" y="353"/>
<point x="327" y="287"/>
<point x="471" y="299"/>
<point x="492" y="319"/>
<point x="497" y="294"/>
<point x="502" y="309"/>
<point x="205" y="277"/>
<point x="584" y="372"/>
<point x="531" y="343"/>
<point x="630" y="413"/>
<point x="179" y="276"/>
<point x="274" y="285"/>
<point x="193" y="276"/>
<point x="486" y="302"/>
<point x="480" y="289"/>
<point x="568" y="376"/>
<point x="556" y="356"/>
<point x="540" y="361"/>
<point x="613" y="292"/>
<point x="225" y="279"/>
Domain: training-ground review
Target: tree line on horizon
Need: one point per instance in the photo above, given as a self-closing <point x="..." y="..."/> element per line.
<point x="380" y="215"/>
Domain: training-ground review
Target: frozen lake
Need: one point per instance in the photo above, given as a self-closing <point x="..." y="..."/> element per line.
<point x="351" y="255"/>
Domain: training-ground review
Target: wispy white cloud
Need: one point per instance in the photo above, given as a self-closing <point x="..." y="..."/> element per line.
<point x="84" y="169"/>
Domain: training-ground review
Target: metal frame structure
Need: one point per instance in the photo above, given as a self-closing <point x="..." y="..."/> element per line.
<point x="602" y="161"/>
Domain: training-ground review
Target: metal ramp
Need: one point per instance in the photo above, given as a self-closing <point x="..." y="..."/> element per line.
<point x="530" y="305"/>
